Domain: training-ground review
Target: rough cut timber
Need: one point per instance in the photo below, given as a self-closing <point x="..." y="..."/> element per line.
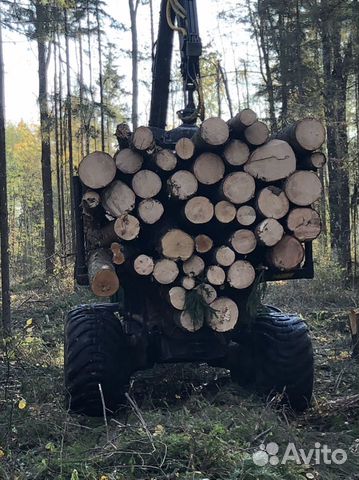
<point x="185" y="148"/>
<point x="127" y="227"/>
<point x="224" y="315"/>
<point x="177" y="297"/>
<point x="185" y="321"/>
<point x="207" y="292"/>
<point x="215" y="275"/>
<point x="312" y="161"/>
<point x="304" y="136"/>
<point x="269" y="232"/>
<point x="304" y="223"/>
<point x="177" y="245"/>
<point x="236" y="153"/>
<point x="143" y="139"/>
<point x="118" y="198"/>
<point x="213" y="132"/>
<point x="199" y="210"/>
<point x="97" y="170"/>
<point x="188" y="282"/>
<point x="118" y="254"/>
<point x="182" y="185"/>
<point x="165" y="159"/>
<point x="209" y="168"/>
<point x="91" y="199"/>
<point x="128" y="161"/>
<point x="165" y="271"/>
<point x="287" y="254"/>
<point x="146" y="184"/>
<point x="203" y="243"/>
<point x="238" y="187"/>
<point x="241" y="274"/>
<point x="243" y="241"/>
<point x="303" y="188"/>
<point x="354" y="330"/>
<point x="143" y="265"/>
<point x="224" y="211"/>
<point x="194" y="266"/>
<point x="150" y="210"/>
<point x="102" y="275"/>
<point x="245" y="118"/>
<point x="246" y="215"/>
<point x="256" y="134"/>
<point x="272" y="202"/>
<point x="224" y="256"/>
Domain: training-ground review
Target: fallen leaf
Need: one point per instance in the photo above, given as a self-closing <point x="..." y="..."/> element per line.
<point x="22" y="404"/>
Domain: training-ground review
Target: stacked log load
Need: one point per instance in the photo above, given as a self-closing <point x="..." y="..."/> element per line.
<point x="204" y="220"/>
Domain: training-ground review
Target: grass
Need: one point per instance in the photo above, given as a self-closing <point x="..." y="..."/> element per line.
<point x="186" y="422"/>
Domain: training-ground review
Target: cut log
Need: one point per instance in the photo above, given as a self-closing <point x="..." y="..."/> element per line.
<point x="194" y="266"/>
<point x="236" y="153"/>
<point x="209" y="168"/>
<point x="185" y="148"/>
<point x="224" y="256"/>
<point x="102" y="275"/>
<point x="312" y="161"/>
<point x="182" y="185"/>
<point x="354" y="330"/>
<point x="269" y="232"/>
<point x="241" y="274"/>
<point x="224" y="211"/>
<point x="303" y="188"/>
<point x="118" y="198"/>
<point x="165" y="271"/>
<point x="305" y="135"/>
<point x="272" y="202"/>
<point x="273" y="161"/>
<point x="142" y="139"/>
<point x="213" y="132"/>
<point x="143" y="265"/>
<point x="91" y="199"/>
<point x="243" y="241"/>
<point x="238" y="187"/>
<point x="127" y="227"/>
<point x="177" y="297"/>
<point x="166" y="160"/>
<point x="304" y="223"/>
<point x="118" y="256"/>
<point x="123" y="135"/>
<point x="188" y="283"/>
<point x="177" y="245"/>
<point x="97" y="170"/>
<point x="203" y="243"/>
<point x="185" y="321"/>
<point x="146" y="184"/>
<point x="224" y="315"/>
<point x="199" y="210"/>
<point x="246" y="215"/>
<point x="257" y="133"/>
<point x="215" y="275"/>
<point x="128" y="161"/>
<point x="150" y="210"/>
<point x="287" y="254"/>
<point x="207" y="292"/>
<point x="245" y="118"/>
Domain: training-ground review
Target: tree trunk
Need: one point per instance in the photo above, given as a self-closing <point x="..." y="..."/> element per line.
<point x="133" y="5"/>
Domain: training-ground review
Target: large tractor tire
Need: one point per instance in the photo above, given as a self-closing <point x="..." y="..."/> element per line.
<point x="95" y="354"/>
<point x="276" y="355"/>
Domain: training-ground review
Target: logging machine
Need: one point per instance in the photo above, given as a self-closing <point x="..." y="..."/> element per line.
<point x="186" y="270"/>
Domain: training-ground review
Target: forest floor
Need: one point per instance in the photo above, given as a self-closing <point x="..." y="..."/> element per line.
<point x="190" y="421"/>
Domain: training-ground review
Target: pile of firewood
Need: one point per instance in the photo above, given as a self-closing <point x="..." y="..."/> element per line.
<point x="206" y="218"/>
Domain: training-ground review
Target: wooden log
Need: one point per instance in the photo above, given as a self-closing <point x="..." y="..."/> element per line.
<point x="224" y="211"/>
<point x="142" y="139"/>
<point x="256" y="134"/>
<point x="165" y="271"/>
<point x="123" y="135"/>
<point x="176" y="244"/>
<point x="199" y="210"/>
<point x="194" y="266"/>
<point x="118" y="254"/>
<point x="118" y="198"/>
<point x="165" y="159"/>
<point x="128" y="161"/>
<point x="102" y="275"/>
<point x="203" y="243"/>
<point x="150" y="210"/>
<point x="246" y="215"/>
<point x="146" y="184"/>
<point x="304" y="136"/>
<point x="97" y="170"/>
<point x="286" y="255"/>
<point x="269" y="232"/>
<point x="312" y="161"/>
<point x="273" y="161"/>
<point x="224" y="315"/>
<point x="127" y="227"/>
<point x="209" y="168"/>
<point x="241" y="121"/>
<point x="207" y="292"/>
<point x="243" y="241"/>
<point x="224" y="256"/>
<point x="91" y="199"/>
<point x="354" y="330"/>
<point x="187" y="282"/>
<point x="238" y="187"/>
<point x="304" y="223"/>
<point x="272" y="202"/>
<point x="303" y="188"/>
<point x="185" y="321"/>
<point x="213" y="132"/>
<point x="241" y="275"/>
<point x="236" y="153"/>
<point x="215" y="275"/>
<point x="143" y="265"/>
<point x="177" y="297"/>
<point x="182" y="185"/>
<point x="185" y="148"/>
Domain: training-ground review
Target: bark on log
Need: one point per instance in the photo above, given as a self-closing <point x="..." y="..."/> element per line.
<point x="225" y="212"/>
<point x="102" y="275"/>
<point x="236" y="153"/>
<point x="238" y="187"/>
<point x="123" y="135"/>
<point x="118" y="198"/>
<point x="287" y="254"/>
<point x="304" y="136"/>
<point x="256" y="134"/>
<point x="177" y="297"/>
<point x="213" y="132"/>
<point x="185" y="148"/>
<point x="142" y="139"/>
<point x="304" y="223"/>
<point x="182" y="185"/>
<point x="209" y="168"/>
<point x="215" y="275"/>
<point x="199" y="210"/>
<point x="194" y="266"/>
<point x="312" y="161"/>
<point x="185" y="321"/>
<point x="177" y="245"/>
<point x="146" y="184"/>
<point x="207" y="292"/>
<point x="241" y="274"/>
<point x="269" y="232"/>
<point x="224" y="256"/>
<point x="128" y="161"/>
<point x="273" y="161"/>
<point x="203" y="243"/>
<point x="245" y="118"/>
<point x="243" y="241"/>
<point x="143" y="265"/>
<point x="165" y="159"/>
<point x="272" y="202"/>
<point x="150" y="210"/>
<point x="246" y="215"/>
<point x="97" y="170"/>
<point x="165" y="271"/>
<point x="303" y="188"/>
<point x="224" y="316"/>
<point x="127" y="227"/>
<point x="91" y="199"/>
